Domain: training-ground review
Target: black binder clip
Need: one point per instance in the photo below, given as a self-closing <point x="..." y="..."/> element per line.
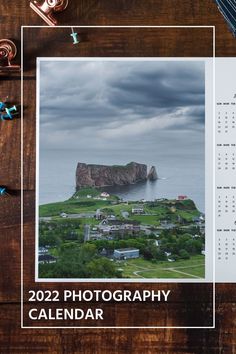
<point x="47" y="8"/>
<point x="228" y="10"/>
<point x="8" y="52"/>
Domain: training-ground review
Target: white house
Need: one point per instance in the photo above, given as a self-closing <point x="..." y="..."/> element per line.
<point x="105" y="195"/>
<point x="138" y="210"/>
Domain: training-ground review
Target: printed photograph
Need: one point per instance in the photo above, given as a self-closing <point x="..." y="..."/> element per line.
<point x="121" y="169"/>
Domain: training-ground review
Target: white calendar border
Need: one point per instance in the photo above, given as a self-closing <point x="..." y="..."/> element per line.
<point x="22" y="185"/>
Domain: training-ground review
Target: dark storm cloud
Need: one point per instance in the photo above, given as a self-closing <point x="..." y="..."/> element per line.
<point x="117" y="103"/>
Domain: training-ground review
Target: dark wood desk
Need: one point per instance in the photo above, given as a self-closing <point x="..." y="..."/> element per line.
<point x="13" y="339"/>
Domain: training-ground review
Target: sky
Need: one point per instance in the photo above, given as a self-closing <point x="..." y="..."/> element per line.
<point x="115" y="106"/>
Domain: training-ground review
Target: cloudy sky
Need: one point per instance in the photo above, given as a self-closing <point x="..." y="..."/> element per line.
<point x="117" y="105"/>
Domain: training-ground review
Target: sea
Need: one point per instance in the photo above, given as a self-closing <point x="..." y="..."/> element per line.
<point x="179" y="174"/>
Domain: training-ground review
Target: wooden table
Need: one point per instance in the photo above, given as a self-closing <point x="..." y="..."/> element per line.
<point x="13" y="339"/>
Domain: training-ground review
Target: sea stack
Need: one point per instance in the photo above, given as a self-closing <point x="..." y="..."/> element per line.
<point x="152" y="175"/>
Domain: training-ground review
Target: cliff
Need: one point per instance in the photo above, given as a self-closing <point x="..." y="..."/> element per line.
<point x="101" y="175"/>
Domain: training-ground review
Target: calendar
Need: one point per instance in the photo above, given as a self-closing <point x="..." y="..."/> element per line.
<point x="225" y="170"/>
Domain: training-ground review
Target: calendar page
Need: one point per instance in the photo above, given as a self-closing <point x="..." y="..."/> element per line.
<point x="129" y="183"/>
<point x="225" y="170"/>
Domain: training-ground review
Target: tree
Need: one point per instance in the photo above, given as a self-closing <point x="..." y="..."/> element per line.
<point x="184" y="254"/>
<point x="102" y="268"/>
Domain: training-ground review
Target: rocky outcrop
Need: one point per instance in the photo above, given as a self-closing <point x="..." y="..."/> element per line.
<point x="152" y="175"/>
<point x="101" y="175"/>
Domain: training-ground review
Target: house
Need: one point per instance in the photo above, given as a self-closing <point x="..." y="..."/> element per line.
<point x="105" y="195"/>
<point x="63" y="215"/>
<point x="95" y="236"/>
<point x="138" y="210"/>
<point x="126" y="253"/>
<point x="46" y="258"/>
<point x="168" y="254"/>
<point x="99" y="214"/>
<point x="103" y="252"/>
<point x="182" y="197"/>
<point x="167" y="225"/>
<point x="89" y="196"/>
<point x="42" y="251"/>
<point x="111" y="217"/>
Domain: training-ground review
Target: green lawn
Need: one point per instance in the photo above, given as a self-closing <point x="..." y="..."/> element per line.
<point x="72" y="207"/>
<point x="146" y="219"/>
<point x="182" y="269"/>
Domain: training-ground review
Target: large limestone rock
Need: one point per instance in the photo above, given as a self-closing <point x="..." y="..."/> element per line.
<point x="101" y="175"/>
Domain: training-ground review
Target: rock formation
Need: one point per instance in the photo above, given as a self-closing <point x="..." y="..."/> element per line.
<point x="152" y="175"/>
<point x="101" y="175"/>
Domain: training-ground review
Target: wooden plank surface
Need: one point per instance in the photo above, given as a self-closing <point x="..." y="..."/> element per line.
<point x="94" y="12"/>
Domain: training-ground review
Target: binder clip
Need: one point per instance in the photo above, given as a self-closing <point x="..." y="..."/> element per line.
<point x="46" y="9"/>
<point x="8" y="52"/>
<point x="228" y="10"/>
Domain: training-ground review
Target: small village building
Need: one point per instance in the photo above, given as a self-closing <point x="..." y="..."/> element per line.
<point x="103" y="252"/>
<point x="138" y="210"/>
<point x="47" y="258"/>
<point x="105" y="195"/>
<point x="99" y="214"/>
<point x="42" y="250"/>
<point x="126" y="253"/>
<point x="168" y="254"/>
<point x="167" y="225"/>
<point x="182" y="197"/>
<point x="111" y="217"/>
<point x="63" y="215"/>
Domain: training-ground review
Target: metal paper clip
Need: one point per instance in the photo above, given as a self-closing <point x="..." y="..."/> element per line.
<point x="47" y="8"/>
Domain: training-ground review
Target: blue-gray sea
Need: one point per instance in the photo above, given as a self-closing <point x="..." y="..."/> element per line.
<point x="181" y="174"/>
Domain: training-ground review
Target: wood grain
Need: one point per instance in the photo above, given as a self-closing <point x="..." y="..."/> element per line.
<point x="97" y="42"/>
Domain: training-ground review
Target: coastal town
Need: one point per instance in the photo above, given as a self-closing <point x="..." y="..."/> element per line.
<point x="95" y="234"/>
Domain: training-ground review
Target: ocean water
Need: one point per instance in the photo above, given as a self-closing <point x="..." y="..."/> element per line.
<point x="179" y="174"/>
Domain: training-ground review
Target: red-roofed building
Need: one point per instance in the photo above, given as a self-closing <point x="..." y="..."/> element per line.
<point x="182" y="197"/>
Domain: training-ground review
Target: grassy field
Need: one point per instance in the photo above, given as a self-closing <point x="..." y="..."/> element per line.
<point x="182" y="269"/>
<point x="159" y="210"/>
